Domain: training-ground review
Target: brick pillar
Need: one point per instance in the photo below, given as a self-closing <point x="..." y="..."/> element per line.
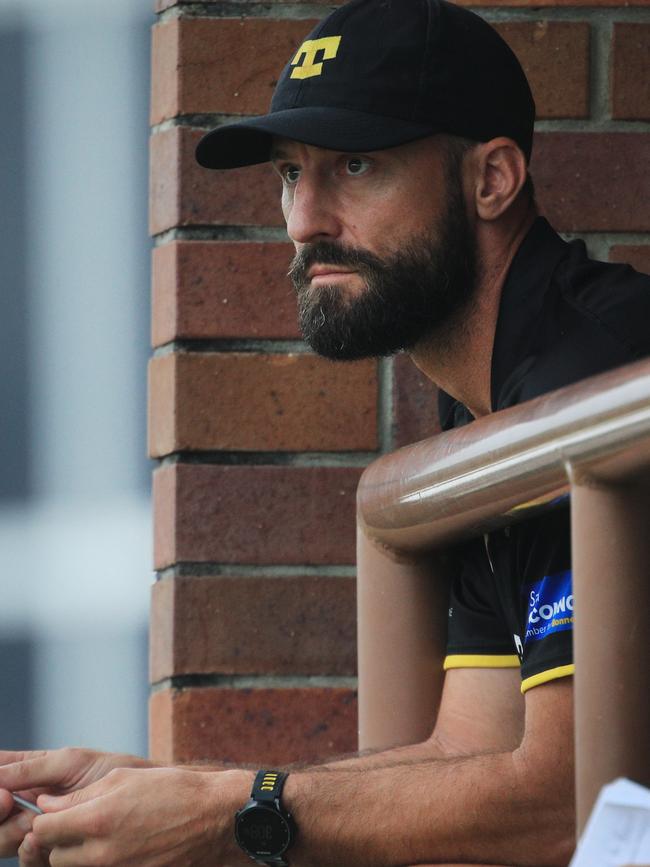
<point x="261" y="443"/>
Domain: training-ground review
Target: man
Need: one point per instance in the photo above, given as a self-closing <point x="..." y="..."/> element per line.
<point x="401" y="132"/>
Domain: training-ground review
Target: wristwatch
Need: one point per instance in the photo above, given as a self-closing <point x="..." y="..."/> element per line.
<point x="263" y="828"/>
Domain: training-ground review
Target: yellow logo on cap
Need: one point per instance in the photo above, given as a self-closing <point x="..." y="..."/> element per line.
<point x="329" y="45"/>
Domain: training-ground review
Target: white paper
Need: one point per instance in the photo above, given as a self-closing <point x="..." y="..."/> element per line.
<point x="618" y="831"/>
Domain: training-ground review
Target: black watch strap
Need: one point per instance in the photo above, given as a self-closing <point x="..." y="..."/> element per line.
<point x="267" y="789"/>
<point x="268" y="786"/>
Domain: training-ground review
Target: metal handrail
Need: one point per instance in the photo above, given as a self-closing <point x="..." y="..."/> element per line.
<point x="469" y="479"/>
<point x="592" y="439"/>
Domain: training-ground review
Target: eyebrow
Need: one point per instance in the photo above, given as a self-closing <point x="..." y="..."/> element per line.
<point x="279" y="154"/>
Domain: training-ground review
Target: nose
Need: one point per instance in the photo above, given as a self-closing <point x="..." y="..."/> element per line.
<point x="310" y="212"/>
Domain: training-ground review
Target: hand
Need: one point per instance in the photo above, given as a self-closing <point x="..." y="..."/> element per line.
<point x="31" y="773"/>
<point x="14" y="824"/>
<point x="29" y="855"/>
<point x="159" y="817"/>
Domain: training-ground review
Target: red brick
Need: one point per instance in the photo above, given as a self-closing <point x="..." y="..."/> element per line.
<point x="415" y="404"/>
<point x="593" y="181"/>
<point x="161" y="727"/>
<point x="630" y="67"/>
<point x="212" y="289"/>
<point x="167" y="295"/>
<point x="164" y="483"/>
<point x="256" y="402"/>
<point x="638" y="256"/>
<point x="185" y="194"/>
<point x="162" y="415"/>
<point x="259" y="726"/>
<point x="298" y="625"/>
<point x="165" y="63"/>
<point x="216" y="65"/>
<point x="254" y="514"/>
<point x="555" y="58"/>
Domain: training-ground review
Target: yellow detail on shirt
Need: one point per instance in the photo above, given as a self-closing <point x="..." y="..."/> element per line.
<point x="478" y="660"/>
<point x="546" y="676"/>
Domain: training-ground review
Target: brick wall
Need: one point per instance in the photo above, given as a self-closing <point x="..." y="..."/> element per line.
<point x="261" y="443"/>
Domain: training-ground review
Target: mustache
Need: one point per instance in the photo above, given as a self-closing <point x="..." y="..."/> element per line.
<point x="327" y="253"/>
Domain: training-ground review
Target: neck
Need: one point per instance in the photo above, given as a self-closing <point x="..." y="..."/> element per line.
<point x="459" y="359"/>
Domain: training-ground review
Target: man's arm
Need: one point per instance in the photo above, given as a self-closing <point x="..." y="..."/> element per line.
<point x="475" y="791"/>
<point x="508" y="802"/>
<point x="481" y="711"/>
<point x="507" y="807"/>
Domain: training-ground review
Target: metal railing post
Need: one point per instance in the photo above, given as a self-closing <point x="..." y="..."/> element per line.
<point x="611" y="573"/>
<point x="402" y="629"/>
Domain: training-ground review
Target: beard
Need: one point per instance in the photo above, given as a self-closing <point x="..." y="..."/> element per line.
<point x="409" y="295"/>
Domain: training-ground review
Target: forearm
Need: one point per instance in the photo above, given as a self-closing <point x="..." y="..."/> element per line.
<point x="482" y="809"/>
<point x="374" y="759"/>
<point x="408" y="754"/>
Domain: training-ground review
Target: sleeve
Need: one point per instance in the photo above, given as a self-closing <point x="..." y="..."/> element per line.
<point x="544" y="563"/>
<point x="477" y="637"/>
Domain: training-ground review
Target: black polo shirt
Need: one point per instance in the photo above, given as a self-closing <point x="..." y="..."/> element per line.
<point x="562" y="317"/>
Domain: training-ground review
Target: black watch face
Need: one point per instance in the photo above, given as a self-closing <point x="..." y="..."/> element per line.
<point x="262" y="832"/>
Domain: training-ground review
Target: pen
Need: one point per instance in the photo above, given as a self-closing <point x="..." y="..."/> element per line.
<point x="27" y="805"/>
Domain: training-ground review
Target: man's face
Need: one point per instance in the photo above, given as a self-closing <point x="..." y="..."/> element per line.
<point x="385" y="254"/>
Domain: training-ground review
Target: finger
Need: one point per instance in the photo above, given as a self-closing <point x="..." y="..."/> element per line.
<point x="7" y="805"/>
<point x="41" y="771"/>
<point x="79" y="856"/>
<point x="57" y="803"/>
<point x="10" y="757"/>
<point x="66" y="828"/>
<point x="12" y="833"/>
<point x="30" y="855"/>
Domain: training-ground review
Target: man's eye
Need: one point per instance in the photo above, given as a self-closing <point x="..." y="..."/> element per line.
<point x="357" y="166"/>
<point x="290" y="174"/>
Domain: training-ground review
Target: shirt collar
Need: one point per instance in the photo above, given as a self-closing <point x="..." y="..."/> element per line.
<point x="522" y="299"/>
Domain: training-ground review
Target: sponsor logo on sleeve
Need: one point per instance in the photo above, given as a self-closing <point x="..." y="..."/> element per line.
<point x="519" y="647"/>
<point x="550" y="606"/>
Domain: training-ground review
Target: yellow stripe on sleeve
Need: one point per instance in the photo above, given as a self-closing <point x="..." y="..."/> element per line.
<point x="545" y="676"/>
<point x="478" y="660"/>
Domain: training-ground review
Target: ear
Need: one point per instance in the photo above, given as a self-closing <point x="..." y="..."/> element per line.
<point x="500" y="175"/>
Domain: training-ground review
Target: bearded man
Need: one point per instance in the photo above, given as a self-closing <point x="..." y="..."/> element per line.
<point x="402" y="132"/>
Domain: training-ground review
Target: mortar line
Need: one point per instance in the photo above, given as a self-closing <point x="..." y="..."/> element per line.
<point x="569" y="14"/>
<point x="593" y="126"/>
<point x="599" y="244"/>
<point x="601" y="122"/>
<point x="245" y="571"/>
<point x="385" y="394"/>
<point x="245" y="9"/>
<point x="309" y="460"/>
<point x="230" y="233"/>
<point x="601" y="36"/>
<point x="228" y="345"/>
<point x="230" y="681"/>
<point x="303" y="11"/>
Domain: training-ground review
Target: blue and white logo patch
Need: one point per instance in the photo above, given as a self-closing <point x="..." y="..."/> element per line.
<point x="550" y="606"/>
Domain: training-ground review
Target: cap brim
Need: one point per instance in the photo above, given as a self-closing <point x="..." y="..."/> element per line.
<point x="248" y="142"/>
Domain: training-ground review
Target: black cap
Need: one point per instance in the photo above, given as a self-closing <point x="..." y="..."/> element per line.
<point x="380" y="73"/>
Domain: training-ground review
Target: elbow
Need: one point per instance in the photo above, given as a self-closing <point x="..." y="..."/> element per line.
<point x="550" y="822"/>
